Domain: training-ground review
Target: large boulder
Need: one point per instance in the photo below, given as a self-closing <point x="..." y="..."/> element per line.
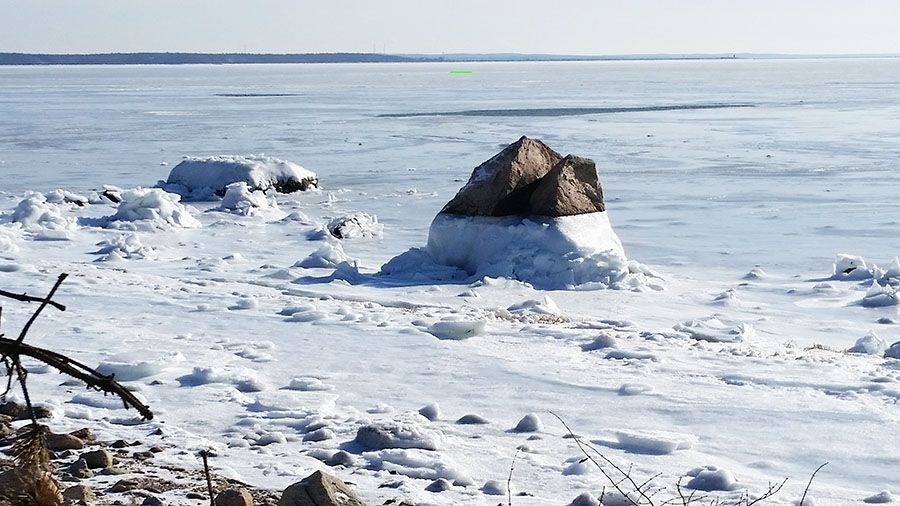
<point x="206" y="178"/>
<point x="493" y="188"/>
<point x="529" y="178"/>
<point x="320" y="489"/>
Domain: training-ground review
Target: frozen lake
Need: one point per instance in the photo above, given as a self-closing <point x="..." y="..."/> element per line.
<point x="806" y="172"/>
<point x="267" y="338"/>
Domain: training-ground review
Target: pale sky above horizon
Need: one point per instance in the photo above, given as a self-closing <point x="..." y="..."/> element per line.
<point x="458" y="26"/>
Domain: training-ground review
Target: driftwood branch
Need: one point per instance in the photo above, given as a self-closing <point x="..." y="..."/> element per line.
<point x="77" y="370"/>
<point x="21" y="297"/>
<point x="12" y="351"/>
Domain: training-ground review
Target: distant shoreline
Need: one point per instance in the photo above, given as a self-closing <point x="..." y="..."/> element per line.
<point x="38" y="59"/>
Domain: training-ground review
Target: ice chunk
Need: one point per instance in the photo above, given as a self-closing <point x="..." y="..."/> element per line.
<point x="151" y="208"/>
<point x="44" y="219"/>
<point x="654" y="442"/>
<point x="241" y="199"/>
<point x="204" y="178"/>
<point x="851" y="267"/>
<point x="456" y="330"/>
<point x="123" y="246"/>
<point x="328" y="256"/>
<point x="870" y="344"/>
<point x="716" y="329"/>
<point x="880" y="296"/>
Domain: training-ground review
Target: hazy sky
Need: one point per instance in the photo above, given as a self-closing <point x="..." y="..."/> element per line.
<point x="435" y="26"/>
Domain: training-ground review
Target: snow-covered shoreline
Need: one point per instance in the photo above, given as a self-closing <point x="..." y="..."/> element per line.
<point x="760" y="358"/>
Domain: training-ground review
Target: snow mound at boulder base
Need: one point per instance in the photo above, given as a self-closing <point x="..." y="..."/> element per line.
<point x="531" y="214"/>
<point x="206" y="178"/>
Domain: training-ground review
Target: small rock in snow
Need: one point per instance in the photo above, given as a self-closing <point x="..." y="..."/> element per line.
<point x="471" y="419"/>
<point x="432" y="412"/>
<point x="493" y="487"/>
<point x="379" y="436"/>
<point x="529" y="423"/>
<point x="585" y="499"/>
<point x="601" y="342"/>
<point x="893" y="351"/>
<point x="882" y="497"/>
<point x="438" y="485"/>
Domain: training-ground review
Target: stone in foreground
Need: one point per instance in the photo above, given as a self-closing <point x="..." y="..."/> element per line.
<point x="320" y="489"/>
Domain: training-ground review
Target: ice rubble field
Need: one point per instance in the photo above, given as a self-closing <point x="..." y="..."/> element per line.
<point x="244" y="329"/>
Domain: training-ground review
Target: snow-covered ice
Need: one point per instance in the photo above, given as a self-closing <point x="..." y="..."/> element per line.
<point x="290" y="340"/>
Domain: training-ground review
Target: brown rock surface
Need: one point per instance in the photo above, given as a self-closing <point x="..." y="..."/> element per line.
<point x="320" y="489"/>
<point x="570" y="188"/>
<point x="490" y="190"/>
<point x="529" y="178"/>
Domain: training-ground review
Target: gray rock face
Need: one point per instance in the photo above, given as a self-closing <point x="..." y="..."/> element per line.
<point x="529" y="178"/>
<point x="320" y="489"/>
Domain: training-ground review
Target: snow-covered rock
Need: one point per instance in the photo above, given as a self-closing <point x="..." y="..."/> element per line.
<point x="205" y="178"/>
<point x="456" y="330"/>
<point x="883" y="497"/>
<point x="383" y="435"/>
<point x="893" y="351"/>
<point x="355" y="226"/>
<point x="150" y="209"/>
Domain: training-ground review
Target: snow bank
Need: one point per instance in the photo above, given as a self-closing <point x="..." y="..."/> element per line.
<point x="241" y="199"/>
<point x="716" y="330"/>
<point x="151" y="209"/>
<point x="41" y="218"/>
<point x="552" y="253"/>
<point x="204" y="178"/>
<point x="356" y="226"/>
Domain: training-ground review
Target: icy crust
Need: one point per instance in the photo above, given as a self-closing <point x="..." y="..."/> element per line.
<point x="548" y="252"/>
<point x="207" y="178"/>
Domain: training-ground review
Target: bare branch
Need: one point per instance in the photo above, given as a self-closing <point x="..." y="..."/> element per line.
<point x="28" y="298"/>
<point x="811" y="478"/>
<point x="77" y="370"/>
<point x="44" y="302"/>
<point x="509" y="480"/>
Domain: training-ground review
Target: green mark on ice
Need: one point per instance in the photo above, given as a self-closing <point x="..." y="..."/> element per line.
<point x="460" y="71"/>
